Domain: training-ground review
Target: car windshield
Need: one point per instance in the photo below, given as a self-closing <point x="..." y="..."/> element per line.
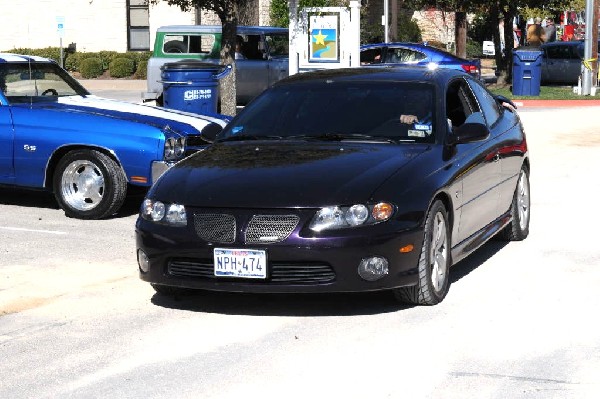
<point x="363" y="111"/>
<point x="36" y="81"/>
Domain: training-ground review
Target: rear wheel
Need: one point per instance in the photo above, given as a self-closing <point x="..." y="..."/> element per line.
<point x="518" y="229"/>
<point x="89" y="184"/>
<point x="434" y="262"/>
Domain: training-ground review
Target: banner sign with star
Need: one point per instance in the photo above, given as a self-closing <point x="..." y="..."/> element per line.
<point x="324" y="38"/>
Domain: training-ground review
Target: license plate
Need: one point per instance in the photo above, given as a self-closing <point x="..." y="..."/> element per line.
<point x="240" y="263"/>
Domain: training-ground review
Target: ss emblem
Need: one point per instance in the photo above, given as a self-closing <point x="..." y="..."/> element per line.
<point x="29" y="148"/>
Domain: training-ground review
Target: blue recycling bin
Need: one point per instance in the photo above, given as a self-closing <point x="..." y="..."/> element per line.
<point x="192" y="86"/>
<point x="527" y="72"/>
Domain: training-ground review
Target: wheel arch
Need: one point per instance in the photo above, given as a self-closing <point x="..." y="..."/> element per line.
<point x="60" y="152"/>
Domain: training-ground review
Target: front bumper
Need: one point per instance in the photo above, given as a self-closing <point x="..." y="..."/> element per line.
<point x="300" y="264"/>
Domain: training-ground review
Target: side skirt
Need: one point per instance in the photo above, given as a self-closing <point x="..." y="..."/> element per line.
<point x="471" y="243"/>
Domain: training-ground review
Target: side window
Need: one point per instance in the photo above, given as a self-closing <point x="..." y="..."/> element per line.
<point x="278" y="45"/>
<point x="188" y="44"/>
<point x="489" y="105"/>
<point x="370" y="56"/>
<point x="460" y="103"/>
<point x="554" y="52"/>
<point x="251" y="47"/>
<point x="404" y="55"/>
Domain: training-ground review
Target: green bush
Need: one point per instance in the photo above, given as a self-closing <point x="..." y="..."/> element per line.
<point x="141" y="70"/>
<point x="474" y="49"/>
<point x="91" y="67"/>
<point x="107" y="57"/>
<point x="121" y="67"/>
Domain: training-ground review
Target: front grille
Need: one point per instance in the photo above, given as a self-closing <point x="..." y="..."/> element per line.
<point x="268" y="229"/>
<point x="195" y="140"/>
<point x="279" y="272"/>
<point x="215" y="227"/>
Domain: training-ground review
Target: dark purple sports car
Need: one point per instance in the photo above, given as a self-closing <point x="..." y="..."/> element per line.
<point x="344" y="180"/>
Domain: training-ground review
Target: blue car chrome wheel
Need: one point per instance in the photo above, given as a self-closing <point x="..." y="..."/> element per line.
<point x="89" y="184"/>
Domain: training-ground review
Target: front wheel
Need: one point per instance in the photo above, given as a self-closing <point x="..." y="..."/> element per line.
<point x="89" y="184"/>
<point x="434" y="262"/>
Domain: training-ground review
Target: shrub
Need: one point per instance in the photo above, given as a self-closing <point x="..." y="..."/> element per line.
<point x="91" y="67"/>
<point x="474" y="49"/>
<point x="141" y="70"/>
<point x="121" y="67"/>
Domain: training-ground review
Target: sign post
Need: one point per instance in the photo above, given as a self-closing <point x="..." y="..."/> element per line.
<point x="60" y="30"/>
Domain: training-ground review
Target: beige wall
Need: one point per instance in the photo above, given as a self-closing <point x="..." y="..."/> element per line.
<point x="94" y="25"/>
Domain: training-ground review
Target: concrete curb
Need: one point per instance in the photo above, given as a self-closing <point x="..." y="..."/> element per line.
<point x="556" y="103"/>
<point x="113" y="84"/>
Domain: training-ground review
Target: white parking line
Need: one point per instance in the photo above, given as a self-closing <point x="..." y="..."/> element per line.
<point x="33" y="230"/>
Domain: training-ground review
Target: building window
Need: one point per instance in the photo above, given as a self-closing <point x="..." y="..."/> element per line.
<point x="138" y="25"/>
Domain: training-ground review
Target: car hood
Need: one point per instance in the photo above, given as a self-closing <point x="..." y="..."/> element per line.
<point x="181" y="122"/>
<point x="283" y="174"/>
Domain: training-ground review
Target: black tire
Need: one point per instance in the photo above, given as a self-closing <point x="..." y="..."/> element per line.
<point x="434" y="261"/>
<point x="160" y="100"/>
<point x="89" y="184"/>
<point x="175" y="46"/>
<point x="520" y="210"/>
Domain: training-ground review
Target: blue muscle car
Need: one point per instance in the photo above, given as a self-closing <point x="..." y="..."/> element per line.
<point x="87" y="150"/>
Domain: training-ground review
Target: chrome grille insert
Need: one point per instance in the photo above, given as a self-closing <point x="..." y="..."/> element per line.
<point x="214" y="227"/>
<point x="268" y="229"/>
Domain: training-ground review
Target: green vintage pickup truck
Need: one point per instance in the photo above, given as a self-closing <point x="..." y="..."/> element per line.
<point x="264" y="51"/>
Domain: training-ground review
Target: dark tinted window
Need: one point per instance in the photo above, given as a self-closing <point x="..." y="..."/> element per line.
<point x="371" y="56"/>
<point x="367" y="108"/>
<point x="561" y="52"/>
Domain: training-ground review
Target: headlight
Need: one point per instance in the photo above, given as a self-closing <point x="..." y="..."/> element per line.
<point x="341" y="217"/>
<point x="174" y="148"/>
<point x="159" y="212"/>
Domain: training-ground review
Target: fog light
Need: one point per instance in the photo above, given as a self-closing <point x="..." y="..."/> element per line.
<point x="373" y="268"/>
<point x="143" y="261"/>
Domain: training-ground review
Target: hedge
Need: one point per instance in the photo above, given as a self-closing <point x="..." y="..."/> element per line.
<point x="73" y="61"/>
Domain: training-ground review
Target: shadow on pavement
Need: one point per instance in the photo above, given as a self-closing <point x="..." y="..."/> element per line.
<point x="32" y="198"/>
<point x="304" y="305"/>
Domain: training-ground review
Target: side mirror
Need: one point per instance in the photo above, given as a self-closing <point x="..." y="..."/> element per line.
<point x="468" y="133"/>
<point x="210" y="132"/>
<point x="501" y="99"/>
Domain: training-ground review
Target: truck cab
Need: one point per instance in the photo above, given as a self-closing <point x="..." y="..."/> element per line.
<point x="263" y="61"/>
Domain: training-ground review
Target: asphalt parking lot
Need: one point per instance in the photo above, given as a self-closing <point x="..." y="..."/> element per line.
<point x="520" y="320"/>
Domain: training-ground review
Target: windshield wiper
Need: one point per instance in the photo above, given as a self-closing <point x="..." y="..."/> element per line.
<point x="244" y="137"/>
<point x="342" y="137"/>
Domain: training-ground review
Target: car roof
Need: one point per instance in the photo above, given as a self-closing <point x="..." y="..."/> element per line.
<point x="10" y="57"/>
<point x="218" y="28"/>
<point x="561" y="43"/>
<point x="397" y="74"/>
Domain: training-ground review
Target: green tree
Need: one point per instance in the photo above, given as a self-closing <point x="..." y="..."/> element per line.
<point x="280" y="12"/>
<point x="496" y="10"/>
<point x="228" y="13"/>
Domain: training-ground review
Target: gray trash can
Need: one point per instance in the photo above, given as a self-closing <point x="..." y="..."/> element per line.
<point x="527" y="72"/>
<point x="192" y="86"/>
